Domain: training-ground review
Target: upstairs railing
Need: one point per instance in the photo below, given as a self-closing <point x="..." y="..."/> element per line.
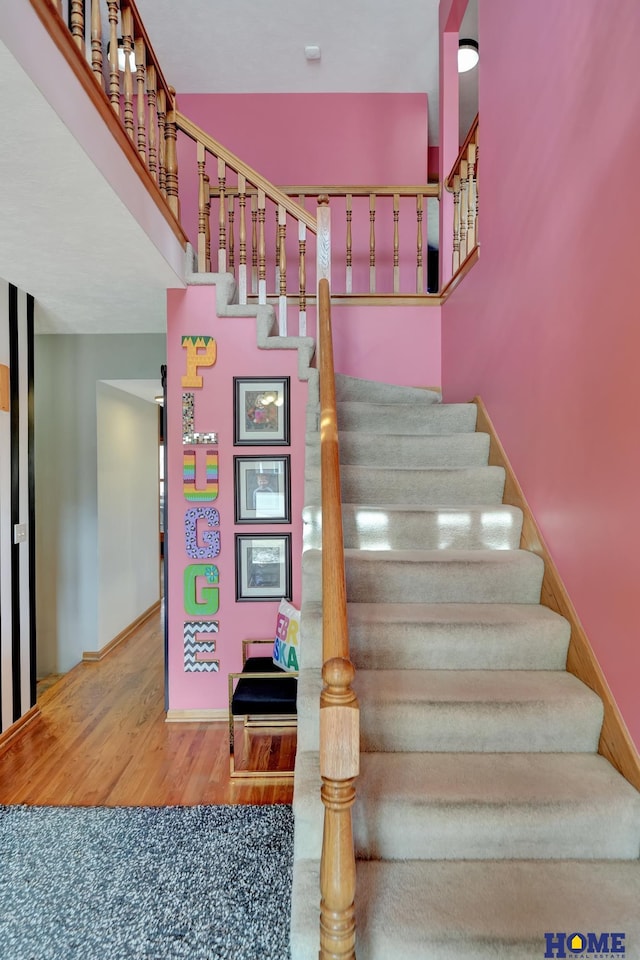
<point x="339" y="711"/>
<point x="463" y="183"/>
<point x="245" y="225"/>
<point x="385" y="237"/>
<point x="112" y="38"/>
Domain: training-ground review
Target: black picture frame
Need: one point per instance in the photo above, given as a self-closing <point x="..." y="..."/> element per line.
<point x="263" y="566"/>
<point x="261" y="414"/>
<point x="262" y="488"/>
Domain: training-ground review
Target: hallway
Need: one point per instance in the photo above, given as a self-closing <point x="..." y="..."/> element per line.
<point x="102" y="740"/>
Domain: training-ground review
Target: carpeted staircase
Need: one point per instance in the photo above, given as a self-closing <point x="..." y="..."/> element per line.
<point x="485" y="817"/>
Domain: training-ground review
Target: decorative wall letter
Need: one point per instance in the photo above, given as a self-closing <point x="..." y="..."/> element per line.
<point x="188" y="433"/>
<point x="209" y="537"/>
<point x="197" y="652"/>
<point x="210" y="595"/>
<point x="187" y="416"/>
<point x="210" y="489"/>
<point x="201" y="352"/>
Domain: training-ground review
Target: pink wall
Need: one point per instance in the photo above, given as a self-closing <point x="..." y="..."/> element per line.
<point x="545" y="327"/>
<point x="319" y="138"/>
<point x="365" y="344"/>
<point x="381" y="138"/>
<point x="192" y="312"/>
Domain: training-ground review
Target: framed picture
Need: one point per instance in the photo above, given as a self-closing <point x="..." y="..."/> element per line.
<point x="263" y="566"/>
<point x="261" y="411"/>
<point x="262" y="489"/>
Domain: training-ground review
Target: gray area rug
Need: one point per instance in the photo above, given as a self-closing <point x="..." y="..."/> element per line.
<point x="166" y="883"/>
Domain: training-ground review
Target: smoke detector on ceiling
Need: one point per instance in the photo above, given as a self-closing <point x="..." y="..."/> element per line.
<point x="312" y="51"/>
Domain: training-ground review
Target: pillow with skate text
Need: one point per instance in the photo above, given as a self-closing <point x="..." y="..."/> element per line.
<point x="286" y="646"/>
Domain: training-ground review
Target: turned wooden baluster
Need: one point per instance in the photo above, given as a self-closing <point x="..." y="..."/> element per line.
<point x="372" y="243"/>
<point x="242" y="228"/>
<point x="222" y="229"/>
<point x="141" y="67"/>
<point x="456" y="222"/>
<point x="349" y="276"/>
<point x="464" y="209"/>
<point x="477" y="179"/>
<point x="419" y="263"/>
<point x="113" y="7"/>
<point x="262" y="265"/>
<point x="396" y="243"/>
<point x="76" y="21"/>
<point x="276" y="258"/>
<point x="231" y="240"/>
<point x="202" y="209"/>
<point x="151" y="100"/>
<point x="282" y="269"/>
<point x="127" y="47"/>
<point x="162" y="142"/>
<point x="207" y="222"/>
<point x="302" y="274"/>
<point x="172" y="156"/>
<point x="96" y="42"/>
<point x="472" y="203"/>
<point x="254" y="244"/>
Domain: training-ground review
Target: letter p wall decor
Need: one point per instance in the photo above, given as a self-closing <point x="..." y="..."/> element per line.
<point x="201" y="352"/>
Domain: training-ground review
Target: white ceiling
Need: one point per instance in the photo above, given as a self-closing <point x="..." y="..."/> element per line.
<point x="244" y="46"/>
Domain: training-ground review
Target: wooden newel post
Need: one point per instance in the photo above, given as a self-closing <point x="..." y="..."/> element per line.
<point x="171" y="156"/>
<point x="323" y="244"/>
<point x="339" y="766"/>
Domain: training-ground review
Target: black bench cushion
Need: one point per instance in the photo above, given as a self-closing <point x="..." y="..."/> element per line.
<point x="262" y="695"/>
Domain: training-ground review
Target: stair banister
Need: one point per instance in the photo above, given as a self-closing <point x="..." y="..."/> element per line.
<point x="462" y="182"/>
<point x="339" y="711"/>
<point x="253" y="184"/>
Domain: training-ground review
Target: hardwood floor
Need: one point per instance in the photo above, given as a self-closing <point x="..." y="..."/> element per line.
<point x="102" y="740"/>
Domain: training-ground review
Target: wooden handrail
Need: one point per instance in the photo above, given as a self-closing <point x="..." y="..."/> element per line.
<point x="471" y="137"/>
<point x="256" y="179"/>
<point x="342" y="190"/>
<point x="339" y="711"/>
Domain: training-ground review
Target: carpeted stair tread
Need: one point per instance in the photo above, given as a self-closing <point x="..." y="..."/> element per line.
<point x="491" y="711"/>
<point x="474" y="910"/>
<point x="470" y="805"/>
<point x="446" y="636"/>
<point x="366" y="449"/>
<point x="406" y="418"/>
<point x="410" y="526"/>
<point x="431" y="487"/>
<point x="415" y="903"/>
<point x="436" y="576"/>
<point x="355" y="388"/>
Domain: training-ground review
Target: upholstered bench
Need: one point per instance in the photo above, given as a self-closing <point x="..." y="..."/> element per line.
<point x="264" y="695"/>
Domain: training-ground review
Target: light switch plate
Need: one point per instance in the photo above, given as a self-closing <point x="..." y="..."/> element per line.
<point x="20" y="533"/>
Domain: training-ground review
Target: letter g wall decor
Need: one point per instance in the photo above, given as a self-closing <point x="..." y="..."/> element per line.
<point x="209" y="537"/>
